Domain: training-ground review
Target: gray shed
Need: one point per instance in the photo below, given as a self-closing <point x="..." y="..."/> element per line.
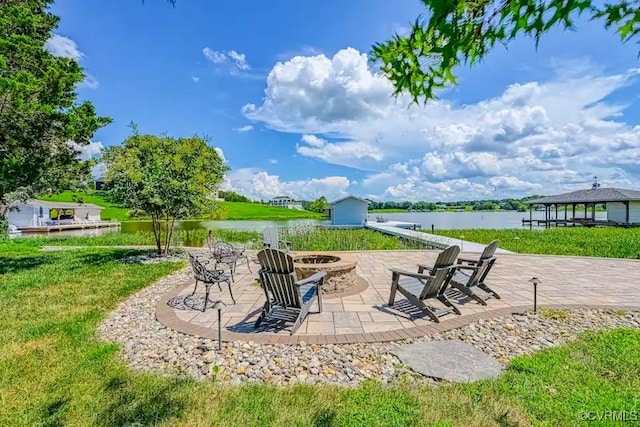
<point x="350" y="211"/>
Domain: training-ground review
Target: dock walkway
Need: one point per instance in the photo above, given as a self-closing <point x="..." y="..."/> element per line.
<point x="74" y="226"/>
<point x="438" y="242"/>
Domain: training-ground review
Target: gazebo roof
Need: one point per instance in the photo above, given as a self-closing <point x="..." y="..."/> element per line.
<point x="592" y="195"/>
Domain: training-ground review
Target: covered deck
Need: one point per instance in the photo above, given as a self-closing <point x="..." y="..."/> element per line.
<point x="587" y="200"/>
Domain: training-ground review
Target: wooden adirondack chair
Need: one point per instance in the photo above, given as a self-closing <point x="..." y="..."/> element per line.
<point x="288" y="299"/>
<point x="478" y="270"/>
<point x="271" y="239"/>
<point x="419" y="287"/>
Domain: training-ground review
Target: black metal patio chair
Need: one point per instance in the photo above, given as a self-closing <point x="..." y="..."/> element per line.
<point x="208" y="278"/>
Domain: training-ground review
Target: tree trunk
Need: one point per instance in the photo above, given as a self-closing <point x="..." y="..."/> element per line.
<point x="157" y="231"/>
<point x="4" y="222"/>
<point x="169" y="235"/>
<point x="166" y="234"/>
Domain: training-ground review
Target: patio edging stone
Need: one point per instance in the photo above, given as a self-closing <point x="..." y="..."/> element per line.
<point x="166" y="316"/>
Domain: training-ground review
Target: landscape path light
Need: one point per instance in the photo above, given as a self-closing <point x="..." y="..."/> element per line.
<point x="535" y="282"/>
<point x="218" y="306"/>
<point x="517" y="239"/>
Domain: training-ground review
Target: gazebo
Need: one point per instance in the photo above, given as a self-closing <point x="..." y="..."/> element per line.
<point x="622" y="205"/>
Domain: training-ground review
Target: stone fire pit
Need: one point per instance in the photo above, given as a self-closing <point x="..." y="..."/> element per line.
<point x="341" y="270"/>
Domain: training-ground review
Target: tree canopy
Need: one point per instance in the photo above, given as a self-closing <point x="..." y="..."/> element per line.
<point x="232" y="196"/>
<point x="164" y="177"/>
<point x="475" y="205"/>
<point x="319" y="205"/>
<point x="39" y="112"/>
<point x="452" y="32"/>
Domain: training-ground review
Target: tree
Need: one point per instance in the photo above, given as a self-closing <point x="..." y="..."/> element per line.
<point x="165" y="177"/>
<point x="319" y="205"/>
<point x="39" y="112"/>
<point x="465" y="31"/>
<point x="232" y="196"/>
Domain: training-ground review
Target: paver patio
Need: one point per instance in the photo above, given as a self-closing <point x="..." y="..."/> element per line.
<point x="365" y="316"/>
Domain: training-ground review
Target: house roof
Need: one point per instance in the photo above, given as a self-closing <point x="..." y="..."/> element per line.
<point x="592" y="195"/>
<point x="46" y="204"/>
<point x="349" y="197"/>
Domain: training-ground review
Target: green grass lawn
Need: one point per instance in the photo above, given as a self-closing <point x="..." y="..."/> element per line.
<point x="54" y="371"/>
<point x="257" y="211"/>
<point x="196" y="238"/>
<point x="227" y="210"/>
<point x="607" y="242"/>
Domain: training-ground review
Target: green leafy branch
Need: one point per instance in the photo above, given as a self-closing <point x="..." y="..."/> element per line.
<point x="465" y="31"/>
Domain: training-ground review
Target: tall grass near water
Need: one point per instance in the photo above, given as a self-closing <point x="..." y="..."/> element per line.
<point x="609" y="242"/>
<point x="323" y="239"/>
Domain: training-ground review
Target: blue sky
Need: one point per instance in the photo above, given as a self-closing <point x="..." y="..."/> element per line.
<point x="283" y="88"/>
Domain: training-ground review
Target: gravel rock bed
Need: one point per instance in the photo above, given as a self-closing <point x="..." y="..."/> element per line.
<point x="147" y="345"/>
<point x="153" y="258"/>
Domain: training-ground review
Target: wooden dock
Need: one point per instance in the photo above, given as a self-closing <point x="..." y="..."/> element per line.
<point x="399" y="224"/>
<point x="63" y="227"/>
<point x="435" y="241"/>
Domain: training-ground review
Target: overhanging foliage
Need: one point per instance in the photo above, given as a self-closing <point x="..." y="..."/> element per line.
<point x="452" y="32"/>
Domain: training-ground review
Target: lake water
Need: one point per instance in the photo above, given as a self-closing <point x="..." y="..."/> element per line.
<point x="464" y="220"/>
<point x="440" y="221"/>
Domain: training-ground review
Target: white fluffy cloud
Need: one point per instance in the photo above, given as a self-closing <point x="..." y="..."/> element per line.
<point x="336" y="152"/>
<point x="98" y="171"/>
<point x="64" y="47"/>
<point x="90" y="82"/>
<point x="92" y="150"/>
<point x="259" y="185"/>
<point x="220" y="153"/>
<point x="247" y="128"/>
<point x="237" y="61"/>
<point x="214" y="56"/>
<point x="87" y="151"/>
<point x="536" y="136"/>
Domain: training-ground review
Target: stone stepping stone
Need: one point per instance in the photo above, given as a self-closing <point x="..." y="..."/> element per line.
<point x="450" y="360"/>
